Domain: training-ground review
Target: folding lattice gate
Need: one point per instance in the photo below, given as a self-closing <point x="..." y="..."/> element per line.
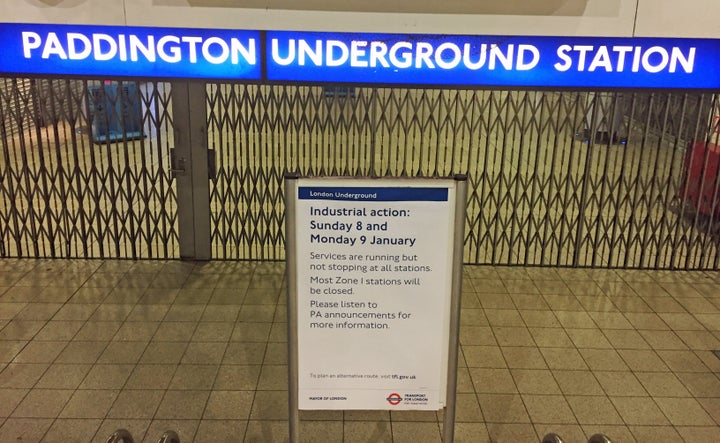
<point x="569" y="178"/>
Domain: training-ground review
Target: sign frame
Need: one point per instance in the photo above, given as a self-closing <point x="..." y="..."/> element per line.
<point x="456" y="249"/>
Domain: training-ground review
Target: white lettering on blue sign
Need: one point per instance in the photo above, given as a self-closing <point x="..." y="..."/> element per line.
<point x="363" y="58"/>
<point x="169" y="48"/>
<point x="450" y="55"/>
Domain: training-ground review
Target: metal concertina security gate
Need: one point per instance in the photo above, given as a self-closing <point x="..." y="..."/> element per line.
<point x="556" y="178"/>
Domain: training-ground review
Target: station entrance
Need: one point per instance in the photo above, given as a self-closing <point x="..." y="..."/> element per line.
<point x="147" y="169"/>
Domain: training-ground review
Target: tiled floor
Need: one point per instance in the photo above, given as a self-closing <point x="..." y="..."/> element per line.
<point x="87" y="347"/>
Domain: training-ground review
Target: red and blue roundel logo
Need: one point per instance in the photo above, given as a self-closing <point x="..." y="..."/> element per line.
<point x="394" y="399"/>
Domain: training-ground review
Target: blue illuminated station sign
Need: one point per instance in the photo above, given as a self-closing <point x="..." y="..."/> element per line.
<point x="365" y="58"/>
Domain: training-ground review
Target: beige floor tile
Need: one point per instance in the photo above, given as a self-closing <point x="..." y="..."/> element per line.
<point x="489" y="286"/>
<point x="681" y="321"/>
<point x="213" y="332"/>
<point x="237" y="377"/>
<point x="464" y="382"/>
<point x="663" y="304"/>
<point x="269" y="405"/>
<point x="539" y="319"/>
<point x="709" y="359"/>
<point x="699" y="340"/>
<point x="603" y="360"/>
<point x="662" y="384"/>
<point x="614" y="432"/>
<point x="257" y="313"/>
<point x="366" y="431"/>
<point x="508" y="432"/>
<point x="123" y="352"/>
<point x="497" y="381"/>
<point x="529" y="302"/>
<point x="618" y="384"/>
<point x="89" y="404"/>
<point x="652" y="434"/>
<point x="573" y="319"/>
<point x="610" y="320"/>
<point x="221" y="431"/>
<point x="699" y="433"/>
<point x="261" y="431"/>
<point x="194" y="377"/>
<point x="141" y="331"/>
<point x="631" y="305"/>
<point x="273" y="378"/>
<point x="468" y="433"/>
<point x="700" y="384"/>
<point x="664" y="340"/>
<point x="510" y="336"/>
<point x="9" y="399"/>
<point x="523" y="357"/>
<point x="483" y="357"/>
<point x="107" y="377"/>
<point x="42" y="403"/>
<point x="24" y="429"/>
<point x="563" y="358"/>
<point x="625" y="339"/>
<point x="563" y="303"/>
<point x="503" y="408"/>
<point x="495" y="301"/>
<point x="204" y="353"/>
<point x="467" y="409"/>
<point x="682" y="361"/>
<point x="251" y="332"/>
<point x="477" y="336"/>
<point x="150" y="377"/>
<point x="136" y="404"/>
<point x="9" y="349"/>
<point x="9" y="310"/>
<point x="643" y="360"/>
<point x="596" y="410"/>
<point x="548" y="409"/>
<point x="500" y="317"/>
<point x="148" y="312"/>
<point x="410" y="416"/>
<point x="185" y="429"/>
<point x="551" y="338"/>
<point x="98" y="331"/>
<point x="174" y="331"/>
<point x="585" y="288"/>
<point x="639" y="411"/>
<point x="414" y="432"/>
<point x="22" y="375"/>
<point x="577" y="382"/>
<point x="366" y="415"/>
<point x="588" y="338"/>
<point x="684" y="411"/>
<point x="59" y="330"/>
<point x="242" y="353"/>
<point x="182" y="405"/>
<point x="163" y="352"/>
<point x="647" y="321"/>
<point x="220" y="313"/>
<point x="531" y="381"/>
<point x="552" y="287"/>
<point x="40" y="352"/>
<point x="21" y="330"/>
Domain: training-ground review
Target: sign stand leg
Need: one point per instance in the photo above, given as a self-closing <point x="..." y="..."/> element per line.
<point x="454" y="343"/>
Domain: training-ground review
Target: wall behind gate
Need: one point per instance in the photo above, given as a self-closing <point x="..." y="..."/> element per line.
<point x="646" y="18"/>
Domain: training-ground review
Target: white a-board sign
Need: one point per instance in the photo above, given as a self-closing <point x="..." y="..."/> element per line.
<point x="374" y="261"/>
